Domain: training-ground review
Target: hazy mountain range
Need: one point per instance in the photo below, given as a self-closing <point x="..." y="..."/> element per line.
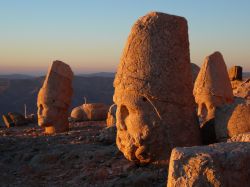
<point x="24" y="76"/>
<point x="16" y="90"/>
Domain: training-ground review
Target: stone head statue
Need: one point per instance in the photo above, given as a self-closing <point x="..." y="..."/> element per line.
<point x="153" y="90"/>
<point x="212" y="87"/>
<point x="54" y="98"/>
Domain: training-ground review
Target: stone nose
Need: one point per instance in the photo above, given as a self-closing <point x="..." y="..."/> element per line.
<point x="40" y="110"/>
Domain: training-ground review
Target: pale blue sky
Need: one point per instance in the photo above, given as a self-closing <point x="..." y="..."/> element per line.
<point x="90" y="35"/>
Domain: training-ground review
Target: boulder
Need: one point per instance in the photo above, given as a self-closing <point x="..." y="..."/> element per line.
<point x="222" y="164"/>
<point x="232" y="119"/>
<point x="111" y="117"/>
<point x="90" y="112"/>
<point x="212" y="87"/>
<point x="235" y="73"/>
<point x="96" y="111"/>
<point x="54" y="98"/>
<point x="155" y="110"/>
<point x="78" y="114"/>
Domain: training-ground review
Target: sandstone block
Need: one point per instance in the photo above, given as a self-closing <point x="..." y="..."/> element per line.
<point x="223" y="164"/>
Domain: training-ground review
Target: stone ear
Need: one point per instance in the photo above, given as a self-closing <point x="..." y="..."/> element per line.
<point x="124" y="113"/>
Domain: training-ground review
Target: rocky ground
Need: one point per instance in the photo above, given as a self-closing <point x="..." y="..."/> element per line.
<point x="76" y="158"/>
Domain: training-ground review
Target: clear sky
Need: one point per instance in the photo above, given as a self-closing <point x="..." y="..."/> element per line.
<point x="90" y="35"/>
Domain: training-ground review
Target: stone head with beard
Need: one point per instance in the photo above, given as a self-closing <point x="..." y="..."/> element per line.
<point x="153" y="90"/>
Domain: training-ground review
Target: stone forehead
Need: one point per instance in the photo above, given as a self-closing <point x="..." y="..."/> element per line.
<point x="156" y="60"/>
<point x="213" y="78"/>
<point x="48" y="97"/>
<point x="61" y="69"/>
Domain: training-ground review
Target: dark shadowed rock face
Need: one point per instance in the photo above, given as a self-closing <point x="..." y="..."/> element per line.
<point x="153" y="90"/>
<point x="223" y="164"/>
<point x="195" y="71"/>
<point x="235" y="73"/>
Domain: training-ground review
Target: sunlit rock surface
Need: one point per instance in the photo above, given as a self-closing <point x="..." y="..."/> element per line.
<point x="212" y="87"/>
<point x="153" y="90"/>
<point x="54" y="98"/>
<point x="223" y="164"/>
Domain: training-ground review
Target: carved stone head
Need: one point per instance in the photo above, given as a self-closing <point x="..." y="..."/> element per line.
<point x="54" y="98"/>
<point x="153" y="90"/>
<point x="212" y="87"/>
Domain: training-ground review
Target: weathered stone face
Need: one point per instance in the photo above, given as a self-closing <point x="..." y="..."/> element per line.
<point x="212" y="87"/>
<point x="222" y="164"/>
<point x="54" y="98"/>
<point x="153" y="90"/>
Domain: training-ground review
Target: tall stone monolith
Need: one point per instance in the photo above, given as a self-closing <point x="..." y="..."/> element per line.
<point x="54" y="98"/>
<point x="212" y="87"/>
<point x="153" y="90"/>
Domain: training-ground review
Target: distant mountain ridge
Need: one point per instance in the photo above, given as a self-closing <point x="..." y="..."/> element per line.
<point x="25" y="76"/>
<point x="99" y="74"/>
<point x="16" y="76"/>
<point x="14" y="93"/>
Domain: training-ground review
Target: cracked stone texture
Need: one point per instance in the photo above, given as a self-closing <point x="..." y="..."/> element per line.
<point x="54" y="98"/>
<point x="90" y="112"/>
<point x="212" y="87"/>
<point x="153" y="90"/>
<point x="223" y="164"/>
<point x="232" y="119"/>
<point x="243" y="89"/>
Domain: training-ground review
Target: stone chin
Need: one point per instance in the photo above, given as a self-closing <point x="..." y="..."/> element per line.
<point x="43" y="122"/>
<point x="134" y="148"/>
